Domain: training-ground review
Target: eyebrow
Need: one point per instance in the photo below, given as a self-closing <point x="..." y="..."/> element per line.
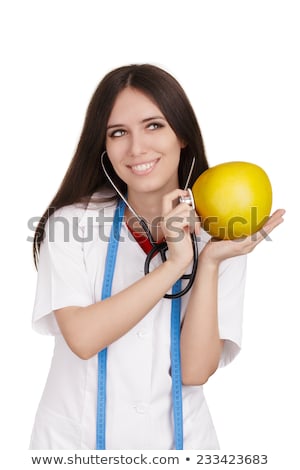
<point x="143" y="121"/>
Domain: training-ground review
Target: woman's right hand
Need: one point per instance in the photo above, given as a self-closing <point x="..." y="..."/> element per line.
<point x="179" y="221"/>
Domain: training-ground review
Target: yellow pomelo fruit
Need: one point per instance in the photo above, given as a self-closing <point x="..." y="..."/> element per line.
<point x="233" y="199"/>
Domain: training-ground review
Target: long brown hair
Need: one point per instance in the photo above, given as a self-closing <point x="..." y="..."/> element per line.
<point x="84" y="175"/>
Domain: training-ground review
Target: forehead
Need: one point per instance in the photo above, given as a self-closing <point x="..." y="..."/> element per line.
<point x="133" y="104"/>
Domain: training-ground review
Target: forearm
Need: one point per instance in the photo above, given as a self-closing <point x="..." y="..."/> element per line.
<point x="89" y="329"/>
<point x="200" y="342"/>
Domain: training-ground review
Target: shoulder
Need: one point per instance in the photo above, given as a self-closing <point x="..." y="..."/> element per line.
<point x="99" y="200"/>
<point x="77" y="217"/>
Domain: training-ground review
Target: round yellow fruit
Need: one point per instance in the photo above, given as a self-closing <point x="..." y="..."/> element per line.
<point x="233" y="199"/>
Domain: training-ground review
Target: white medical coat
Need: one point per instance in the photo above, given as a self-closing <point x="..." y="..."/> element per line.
<point x="139" y="401"/>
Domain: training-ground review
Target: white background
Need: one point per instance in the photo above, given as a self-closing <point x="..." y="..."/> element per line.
<point x="239" y="64"/>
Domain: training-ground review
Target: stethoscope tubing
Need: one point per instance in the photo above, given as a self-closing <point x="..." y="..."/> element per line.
<point x="162" y="248"/>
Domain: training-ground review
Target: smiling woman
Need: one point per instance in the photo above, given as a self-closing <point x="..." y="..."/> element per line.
<point x="129" y="364"/>
<point x="143" y="145"/>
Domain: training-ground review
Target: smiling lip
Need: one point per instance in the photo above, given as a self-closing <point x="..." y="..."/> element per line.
<point x="143" y="168"/>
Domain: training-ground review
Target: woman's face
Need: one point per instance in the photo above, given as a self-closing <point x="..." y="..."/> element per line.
<point x="141" y="145"/>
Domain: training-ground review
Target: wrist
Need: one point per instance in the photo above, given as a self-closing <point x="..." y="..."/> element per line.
<point x="175" y="269"/>
<point x="209" y="262"/>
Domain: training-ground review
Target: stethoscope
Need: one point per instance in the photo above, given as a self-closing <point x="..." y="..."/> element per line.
<point x="162" y="247"/>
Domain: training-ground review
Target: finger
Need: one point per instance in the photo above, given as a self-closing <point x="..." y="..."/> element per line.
<point x="190" y="219"/>
<point x="197" y="225"/>
<point x="170" y="200"/>
<point x="280" y="212"/>
<point x="275" y="220"/>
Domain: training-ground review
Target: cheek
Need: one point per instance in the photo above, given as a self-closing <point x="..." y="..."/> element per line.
<point x="112" y="157"/>
<point x="109" y="147"/>
<point x="175" y="148"/>
<point x="116" y="150"/>
<point x="113" y="150"/>
<point x="115" y="164"/>
<point x="168" y="145"/>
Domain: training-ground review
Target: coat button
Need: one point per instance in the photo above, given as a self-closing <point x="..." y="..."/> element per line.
<point x="142" y="334"/>
<point x="141" y="408"/>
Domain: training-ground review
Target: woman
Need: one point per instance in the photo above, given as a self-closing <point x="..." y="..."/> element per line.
<point x="142" y="128"/>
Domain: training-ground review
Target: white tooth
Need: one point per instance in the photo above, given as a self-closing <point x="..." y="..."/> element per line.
<point x="143" y="166"/>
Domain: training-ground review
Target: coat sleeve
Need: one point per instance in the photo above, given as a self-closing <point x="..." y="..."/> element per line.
<point x="62" y="277"/>
<point x="231" y="289"/>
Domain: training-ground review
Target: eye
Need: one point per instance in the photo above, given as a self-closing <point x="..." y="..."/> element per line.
<point x="117" y="133"/>
<point x="155" y="125"/>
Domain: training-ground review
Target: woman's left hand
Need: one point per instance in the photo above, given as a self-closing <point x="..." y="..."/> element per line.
<point x="218" y="250"/>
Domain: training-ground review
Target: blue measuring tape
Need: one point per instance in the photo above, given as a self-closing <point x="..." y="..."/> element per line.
<point x="110" y="263"/>
<point x="176" y="367"/>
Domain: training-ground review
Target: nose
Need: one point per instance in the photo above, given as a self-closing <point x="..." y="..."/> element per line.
<point x="137" y="144"/>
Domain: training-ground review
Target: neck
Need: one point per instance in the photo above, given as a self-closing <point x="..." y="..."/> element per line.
<point x="149" y="207"/>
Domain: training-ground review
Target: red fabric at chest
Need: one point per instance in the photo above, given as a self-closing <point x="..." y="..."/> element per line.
<point x="142" y="240"/>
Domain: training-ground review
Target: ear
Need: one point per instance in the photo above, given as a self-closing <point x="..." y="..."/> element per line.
<point x="183" y="144"/>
